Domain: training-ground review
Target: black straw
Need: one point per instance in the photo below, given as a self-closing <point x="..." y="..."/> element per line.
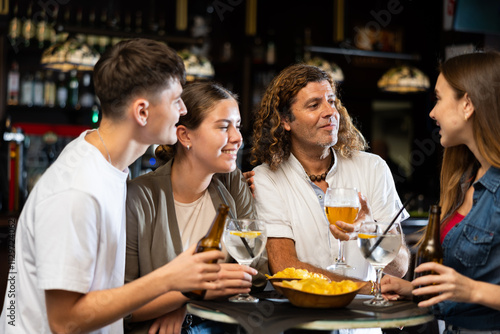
<point x="379" y="240"/>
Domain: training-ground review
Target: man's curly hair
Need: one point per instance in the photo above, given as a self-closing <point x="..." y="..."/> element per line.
<point x="271" y="143"/>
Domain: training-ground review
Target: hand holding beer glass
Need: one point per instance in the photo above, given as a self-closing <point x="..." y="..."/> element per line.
<point x="341" y="204"/>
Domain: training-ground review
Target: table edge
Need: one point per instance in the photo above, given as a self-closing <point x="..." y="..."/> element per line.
<point x="216" y="315"/>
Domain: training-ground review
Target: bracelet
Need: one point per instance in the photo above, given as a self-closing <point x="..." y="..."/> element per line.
<point x="372" y="290"/>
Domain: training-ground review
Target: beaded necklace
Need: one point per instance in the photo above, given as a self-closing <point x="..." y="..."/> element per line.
<point x="321" y="177"/>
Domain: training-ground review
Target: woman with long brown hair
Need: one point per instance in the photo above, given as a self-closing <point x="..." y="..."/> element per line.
<point x="467" y="283"/>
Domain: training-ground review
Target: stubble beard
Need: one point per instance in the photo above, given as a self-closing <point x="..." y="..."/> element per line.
<point x="329" y="143"/>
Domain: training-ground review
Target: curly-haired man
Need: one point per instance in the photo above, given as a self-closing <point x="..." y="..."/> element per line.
<point x="305" y="141"/>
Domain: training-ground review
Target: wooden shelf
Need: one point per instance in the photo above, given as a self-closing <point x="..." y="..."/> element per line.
<point x="363" y="53"/>
<point x="46" y="115"/>
<point x="179" y="39"/>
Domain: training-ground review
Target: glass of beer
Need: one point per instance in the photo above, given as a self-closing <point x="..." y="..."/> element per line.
<point x="341" y="204"/>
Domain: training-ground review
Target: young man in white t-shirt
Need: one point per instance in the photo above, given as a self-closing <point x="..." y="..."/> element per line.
<point x="68" y="271"/>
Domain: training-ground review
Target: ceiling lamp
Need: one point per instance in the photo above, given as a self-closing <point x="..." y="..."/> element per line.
<point x="330" y="67"/>
<point x="197" y="67"/>
<point x="72" y="54"/>
<point x="404" y="79"/>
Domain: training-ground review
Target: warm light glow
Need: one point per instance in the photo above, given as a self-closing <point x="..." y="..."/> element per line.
<point x="68" y="55"/>
<point x="404" y="79"/>
<point x="330" y="67"/>
<point x="197" y="67"/>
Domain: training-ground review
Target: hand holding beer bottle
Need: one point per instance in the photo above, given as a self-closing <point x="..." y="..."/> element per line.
<point x="211" y="241"/>
<point x="430" y="248"/>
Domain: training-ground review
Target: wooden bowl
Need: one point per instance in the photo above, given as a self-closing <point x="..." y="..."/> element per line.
<point x="279" y="280"/>
<point x="314" y="300"/>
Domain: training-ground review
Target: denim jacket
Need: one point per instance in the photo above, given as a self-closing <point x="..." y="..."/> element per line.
<point x="472" y="248"/>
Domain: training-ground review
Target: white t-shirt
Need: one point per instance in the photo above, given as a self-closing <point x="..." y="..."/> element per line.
<point x="70" y="236"/>
<point x="287" y="193"/>
<point x="193" y="219"/>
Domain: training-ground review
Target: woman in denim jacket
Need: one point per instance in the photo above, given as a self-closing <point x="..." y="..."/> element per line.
<point x="468" y="282"/>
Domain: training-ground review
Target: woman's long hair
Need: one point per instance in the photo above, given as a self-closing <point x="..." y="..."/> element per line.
<point x="271" y="143"/>
<point x="199" y="98"/>
<point x="478" y="75"/>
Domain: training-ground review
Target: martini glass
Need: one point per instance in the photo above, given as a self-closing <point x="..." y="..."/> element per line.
<point x="245" y="240"/>
<point x="379" y="243"/>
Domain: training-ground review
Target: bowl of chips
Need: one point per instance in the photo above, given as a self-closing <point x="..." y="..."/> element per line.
<point x="290" y="273"/>
<point x="319" y="293"/>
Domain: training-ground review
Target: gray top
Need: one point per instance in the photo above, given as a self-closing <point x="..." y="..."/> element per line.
<point x="153" y="237"/>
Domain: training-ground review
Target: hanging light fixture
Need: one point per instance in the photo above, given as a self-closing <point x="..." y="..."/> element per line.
<point x="71" y="54"/>
<point x="197" y="67"/>
<point x="330" y="67"/>
<point x="404" y="79"/>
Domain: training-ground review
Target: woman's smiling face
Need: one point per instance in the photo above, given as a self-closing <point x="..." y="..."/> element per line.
<point x="217" y="140"/>
<point x="449" y="114"/>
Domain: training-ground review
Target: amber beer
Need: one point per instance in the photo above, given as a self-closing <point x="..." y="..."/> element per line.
<point x="430" y="248"/>
<point x="211" y="241"/>
<point x="342" y="213"/>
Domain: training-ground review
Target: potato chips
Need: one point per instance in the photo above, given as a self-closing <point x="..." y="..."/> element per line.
<point x="321" y="286"/>
<point x="298" y="274"/>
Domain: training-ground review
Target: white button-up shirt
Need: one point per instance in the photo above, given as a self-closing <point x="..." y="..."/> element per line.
<point x="288" y="194"/>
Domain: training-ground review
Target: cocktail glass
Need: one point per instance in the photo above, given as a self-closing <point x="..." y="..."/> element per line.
<point x="379" y="243"/>
<point x="245" y="240"/>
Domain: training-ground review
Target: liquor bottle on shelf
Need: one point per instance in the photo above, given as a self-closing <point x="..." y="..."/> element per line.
<point x="92" y="17"/>
<point x="271" y="49"/>
<point x="27" y="90"/>
<point x="104" y="42"/>
<point x="66" y="16"/>
<point x="92" y="40"/>
<point x="153" y="22"/>
<point x="38" y="89"/>
<point x="127" y="22"/>
<point x="114" y="22"/>
<point x="52" y="14"/>
<point x="15" y="24"/>
<point x="73" y="86"/>
<point x="103" y="21"/>
<point x="430" y="249"/>
<point x="50" y="33"/>
<point x="41" y="33"/>
<point x="87" y="98"/>
<point x="49" y="90"/>
<point x="258" y="51"/>
<point x="58" y="18"/>
<point x="28" y="29"/>
<point x="138" y="22"/>
<point x="211" y="241"/>
<point x="13" y="80"/>
<point x="61" y="90"/>
<point x="162" y="23"/>
<point x="79" y="17"/>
